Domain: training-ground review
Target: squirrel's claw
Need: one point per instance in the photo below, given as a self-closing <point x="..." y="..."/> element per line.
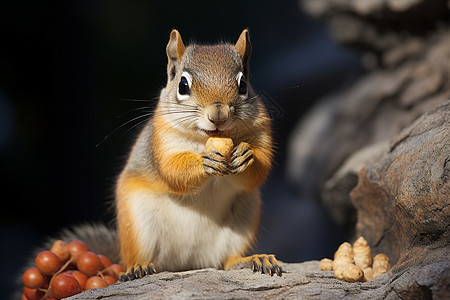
<point x="137" y="271"/>
<point x="241" y="158"/>
<point x="215" y="163"/>
<point x="264" y="263"/>
<point x="267" y="264"/>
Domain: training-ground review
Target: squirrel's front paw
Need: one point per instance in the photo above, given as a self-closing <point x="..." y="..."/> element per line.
<point x="137" y="271"/>
<point x="215" y="163"/>
<point x="241" y="158"/>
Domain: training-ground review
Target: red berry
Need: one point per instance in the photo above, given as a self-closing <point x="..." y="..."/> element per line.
<point x="114" y="270"/>
<point x="60" y="249"/>
<point x="89" y="263"/>
<point x="34" y="279"/>
<point x="105" y="261"/>
<point x="47" y="262"/>
<point x="64" y="285"/>
<point x="109" y="279"/>
<point x="95" y="282"/>
<point x="76" y="248"/>
<point x="80" y="277"/>
<point x="32" y="294"/>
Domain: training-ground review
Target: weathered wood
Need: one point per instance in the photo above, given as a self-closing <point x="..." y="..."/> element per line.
<point x="403" y="201"/>
<point x="301" y="281"/>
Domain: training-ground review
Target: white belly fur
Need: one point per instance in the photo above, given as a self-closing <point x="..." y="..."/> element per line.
<point x="198" y="231"/>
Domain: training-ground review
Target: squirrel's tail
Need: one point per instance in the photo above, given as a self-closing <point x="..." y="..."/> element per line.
<point x="98" y="237"/>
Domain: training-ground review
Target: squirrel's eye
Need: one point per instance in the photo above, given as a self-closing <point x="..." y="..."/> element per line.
<point x="183" y="87"/>
<point x="242" y="85"/>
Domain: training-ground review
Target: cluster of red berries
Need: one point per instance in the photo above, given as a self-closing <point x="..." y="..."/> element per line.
<point x="68" y="269"/>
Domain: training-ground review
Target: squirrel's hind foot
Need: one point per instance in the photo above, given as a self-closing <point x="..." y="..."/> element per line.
<point x="137" y="271"/>
<point x="266" y="264"/>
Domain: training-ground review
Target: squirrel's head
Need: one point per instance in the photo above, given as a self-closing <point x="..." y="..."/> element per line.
<point x="208" y="88"/>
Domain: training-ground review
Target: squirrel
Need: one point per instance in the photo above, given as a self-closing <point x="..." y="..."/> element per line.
<point x="180" y="206"/>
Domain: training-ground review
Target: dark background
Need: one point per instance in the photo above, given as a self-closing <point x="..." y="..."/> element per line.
<point x="75" y="77"/>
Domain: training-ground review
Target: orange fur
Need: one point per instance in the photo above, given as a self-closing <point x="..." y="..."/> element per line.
<point x="183" y="172"/>
<point x="254" y="176"/>
<point x="129" y="248"/>
<point x="235" y="261"/>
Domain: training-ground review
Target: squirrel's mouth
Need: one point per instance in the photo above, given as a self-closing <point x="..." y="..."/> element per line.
<point x="215" y="132"/>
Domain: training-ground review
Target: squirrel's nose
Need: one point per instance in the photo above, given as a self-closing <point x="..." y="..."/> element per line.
<point x="218" y="113"/>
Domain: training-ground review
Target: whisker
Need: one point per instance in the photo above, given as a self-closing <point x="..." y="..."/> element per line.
<point x="134" y="126"/>
<point x="241" y="123"/>
<point x="179" y="121"/>
<point x="164" y="113"/>
<point x="133" y="110"/>
<point x="121" y="126"/>
<point x="182" y="108"/>
<point x="297" y="86"/>
<point x="184" y="119"/>
<point x="181" y="104"/>
<point x="140" y="100"/>
<point x="254" y="97"/>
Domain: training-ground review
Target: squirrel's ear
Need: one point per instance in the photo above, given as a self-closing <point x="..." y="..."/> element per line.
<point x="175" y="50"/>
<point x="244" y="49"/>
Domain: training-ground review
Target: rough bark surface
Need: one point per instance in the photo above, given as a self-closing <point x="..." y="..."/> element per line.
<point x="358" y="137"/>
<point x="406" y="47"/>
<point x="373" y="110"/>
<point x="403" y="201"/>
<point x="390" y="31"/>
<point x="300" y="281"/>
<point x="336" y="191"/>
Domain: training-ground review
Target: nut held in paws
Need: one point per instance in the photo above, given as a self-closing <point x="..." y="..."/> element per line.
<point x="220" y="144"/>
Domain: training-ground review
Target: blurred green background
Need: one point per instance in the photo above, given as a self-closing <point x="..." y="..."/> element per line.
<point x="76" y="78"/>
